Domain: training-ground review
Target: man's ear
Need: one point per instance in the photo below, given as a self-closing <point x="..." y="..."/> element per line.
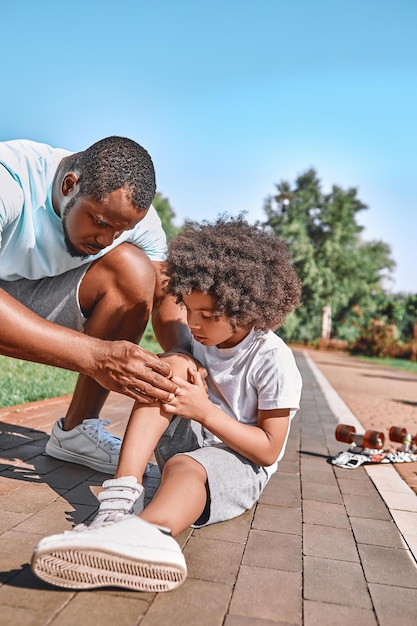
<point x="69" y="184"/>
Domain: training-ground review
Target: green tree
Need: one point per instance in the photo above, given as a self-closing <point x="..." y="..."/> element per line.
<point x="166" y="213"/>
<point x="336" y="267"/>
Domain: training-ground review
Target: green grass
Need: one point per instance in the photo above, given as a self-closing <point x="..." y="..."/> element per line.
<point x="400" y="364"/>
<point x="22" y="381"/>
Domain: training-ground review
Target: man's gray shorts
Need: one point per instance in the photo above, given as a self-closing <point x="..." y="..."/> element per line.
<point x="234" y="483"/>
<point x="54" y="298"/>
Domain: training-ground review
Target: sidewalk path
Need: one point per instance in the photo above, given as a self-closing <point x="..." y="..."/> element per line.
<point x="323" y="545"/>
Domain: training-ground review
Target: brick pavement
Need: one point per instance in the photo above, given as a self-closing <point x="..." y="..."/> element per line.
<point x="320" y="547"/>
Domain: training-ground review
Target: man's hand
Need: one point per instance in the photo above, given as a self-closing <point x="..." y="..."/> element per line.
<point x="129" y="369"/>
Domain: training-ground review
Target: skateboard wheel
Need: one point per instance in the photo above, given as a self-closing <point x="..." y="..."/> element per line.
<point x="373" y="439"/>
<point x="344" y="433"/>
<point x="397" y="434"/>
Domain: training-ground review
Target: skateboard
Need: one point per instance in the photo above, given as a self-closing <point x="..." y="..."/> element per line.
<point x="398" y="434"/>
<point x="368" y="447"/>
<point x="370" y="439"/>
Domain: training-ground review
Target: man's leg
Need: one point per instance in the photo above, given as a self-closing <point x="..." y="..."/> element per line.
<point x="116" y="296"/>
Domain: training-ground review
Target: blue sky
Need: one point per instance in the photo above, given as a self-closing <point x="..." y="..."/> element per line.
<point x="230" y="97"/>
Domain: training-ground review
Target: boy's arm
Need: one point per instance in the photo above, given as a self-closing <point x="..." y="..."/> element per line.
<point x="261" y="444"/>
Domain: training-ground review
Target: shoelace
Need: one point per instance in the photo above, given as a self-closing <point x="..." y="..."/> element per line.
<point x="102" y="436"/>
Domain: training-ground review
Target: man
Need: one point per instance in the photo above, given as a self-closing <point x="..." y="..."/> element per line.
<point x="80" y="273"/>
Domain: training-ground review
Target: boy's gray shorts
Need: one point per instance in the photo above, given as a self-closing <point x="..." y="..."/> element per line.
<point x="234" y="483"/>
<point x="54" y="298"/>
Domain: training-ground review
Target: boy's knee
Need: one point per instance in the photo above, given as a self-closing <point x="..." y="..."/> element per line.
<point x="182" y="463"/>
<point x="180" y="363"/>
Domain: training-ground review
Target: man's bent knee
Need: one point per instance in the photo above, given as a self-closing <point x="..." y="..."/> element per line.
<point x="125" y="272"/>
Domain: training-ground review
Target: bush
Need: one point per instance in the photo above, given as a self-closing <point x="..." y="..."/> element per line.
<point x="377" y="340"/>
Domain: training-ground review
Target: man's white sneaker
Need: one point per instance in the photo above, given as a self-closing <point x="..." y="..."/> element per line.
<point x="87" y="444"/>
<point x="120" y="496"/>
<point x="128" y="553"/>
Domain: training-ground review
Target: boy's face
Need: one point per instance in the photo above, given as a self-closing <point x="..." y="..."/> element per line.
<point x="205" y="327"/>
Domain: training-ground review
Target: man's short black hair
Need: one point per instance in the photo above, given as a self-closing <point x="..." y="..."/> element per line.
<point x="114" y="163"/>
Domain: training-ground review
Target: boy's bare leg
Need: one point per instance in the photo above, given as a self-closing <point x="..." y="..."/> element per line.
<point x="181" y="497"/>
<point x="146" y="425"/>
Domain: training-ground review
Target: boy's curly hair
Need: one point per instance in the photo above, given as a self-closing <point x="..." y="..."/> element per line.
<point x="247" y="270"/>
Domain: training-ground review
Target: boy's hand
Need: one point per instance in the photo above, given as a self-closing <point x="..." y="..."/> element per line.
<point x="191" y="400"/>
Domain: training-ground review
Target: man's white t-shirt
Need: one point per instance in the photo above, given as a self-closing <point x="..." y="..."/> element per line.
<point x="32" y="241"/>
<point x="258" y="373"/>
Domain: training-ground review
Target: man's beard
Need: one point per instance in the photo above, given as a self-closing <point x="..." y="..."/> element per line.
<point x="71" y="249"/>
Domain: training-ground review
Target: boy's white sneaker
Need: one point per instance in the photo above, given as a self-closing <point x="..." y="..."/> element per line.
<point x="120" y="496"/>
<point x="128" y="553"/>
<point x="87" y="444"/>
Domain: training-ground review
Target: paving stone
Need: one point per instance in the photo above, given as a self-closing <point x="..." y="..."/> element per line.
<point x="282" y="490"/>
<point x="16" y="550"/>
<point x="321" y="492"/>
<point x="358" y="473"/>
<point x="279" y="519"/>
<point x="233" y="530"/>
<point x="356" y="487"/>
<point x="321" y="476"/>
<point x="273" y="550"/>
<point x="9" y="520"/>
<point x="82" y="493"/>
<point x="376" y="532"/>
<point x="321" y="541"/>
<point x="12" y="616"/>
<point x="389" y="566"/>
<point x="321" y="614"/>
<point x="54" y="518"/>
<point x="30" y="498"/>
<point x="335" y="582"/>
<point x="394" y="605"/>
<point x="212" y="560"/>
<point x="8" y="484"/>
<point x="290" y="465"/>
<point x="325" y="514"/>
<point x="86" y="610"/>
<point x="312" y="464"/>
<point x="195" y="602"/>
<point x="240" y="620"/>
<point x="268" y="594"/>
<point x="370" y="507"/>
<point x="26" y="591"/>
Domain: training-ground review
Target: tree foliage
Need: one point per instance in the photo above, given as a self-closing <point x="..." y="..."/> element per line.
<point x="336" y="267"/>
<point x="166" y="213"/>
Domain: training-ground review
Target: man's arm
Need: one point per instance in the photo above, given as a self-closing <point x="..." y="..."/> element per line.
<point x="120" y="366"/>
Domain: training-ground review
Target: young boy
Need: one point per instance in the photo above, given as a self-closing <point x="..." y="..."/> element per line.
<point x="216" y="450"/>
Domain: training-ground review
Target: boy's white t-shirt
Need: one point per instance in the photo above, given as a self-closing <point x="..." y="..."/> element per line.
<point x="32" y="241"/>
<point x="258" y="373"/>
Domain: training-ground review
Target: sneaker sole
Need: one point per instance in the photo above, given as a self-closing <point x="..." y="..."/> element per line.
<point x="89" y="569"/>
<point x="71" y="457"/>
